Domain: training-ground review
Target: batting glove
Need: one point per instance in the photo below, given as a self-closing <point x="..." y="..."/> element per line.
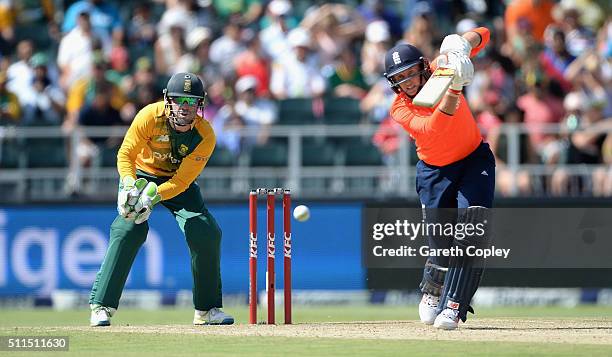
<point x="464" y="69"/>
<point x="129" y="191"/>
<point x="148" y="198"/>
<point x="455" y="43"/>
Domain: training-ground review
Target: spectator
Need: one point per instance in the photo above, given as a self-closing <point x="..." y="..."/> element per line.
<point x="536" y="14"/>
<point x="591" y="74"/>
<point x="7" y="24"/>
<point x="555" y="59"/>
<point x="226" y="124"/>
<point x="21" y="73"/>
<point x="83" y="92"/>
<point x="489" y="121"/>
<point x="387" y="139"/>
<point x="372" y="10"/>
<point x="256" y="112"/>
<point x="248" y="11"/>
<point x="422" y="33"/>
<point x="10" y="109"/>
<point x="377" y="102"/>
<point x="98" y="112"/>
<point x="143" y="76"/>
<point x="585" y="146"/>
<point x="198" y="46"/>
<point x="252" y="62"/>
<point x="346" y="80"/>
<point x="169" y="48"/>
<point x="332" y="27"/>
<point x="297" y="75"/>
<point x="141" y="30"/>
<point x="119" y="61"/>
<point x="227" y="46"/>
<point x="278" y="9"/>
<point x="105" y="21"/>
<point x="75" y="54"/>
<point x="274" y="36"/>
<point x="178" y="13"/>
<point x="45" y="101"/>
<point x="577" y="37"/>
<point x="541" y="108"/>
<point x="376" y="44"/>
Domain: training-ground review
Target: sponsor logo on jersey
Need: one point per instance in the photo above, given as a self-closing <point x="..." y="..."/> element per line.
<point x="183" y="149"/>
<point x="162" y="139"/>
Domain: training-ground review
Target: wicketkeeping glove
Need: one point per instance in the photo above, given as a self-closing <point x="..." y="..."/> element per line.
<point x="148" y="198"/>
<point x="455" y="43"/>
<point x="129" y="191"/>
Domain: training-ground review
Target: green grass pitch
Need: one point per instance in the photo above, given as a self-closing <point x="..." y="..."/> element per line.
<point x="352" y="330"/>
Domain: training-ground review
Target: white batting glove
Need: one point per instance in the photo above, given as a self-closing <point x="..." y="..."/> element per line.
<point x="148" y="198"/>
<point x="464" y="69"/>
<point x="455" y="43"/>
<point x="129" y="191"/>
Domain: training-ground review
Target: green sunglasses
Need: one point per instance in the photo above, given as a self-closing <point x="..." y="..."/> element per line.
<point x="185" y="100"/>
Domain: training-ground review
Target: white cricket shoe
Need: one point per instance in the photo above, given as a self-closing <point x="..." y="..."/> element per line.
<point x="100" y="315"/>
<point x="447" y="320"/>
<point x="428" y="307"/>
<point x="213" y="316"/>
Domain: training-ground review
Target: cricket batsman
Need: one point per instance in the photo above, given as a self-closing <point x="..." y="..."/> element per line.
<point x="456" y="170"/>
<point x="165" y="149"/>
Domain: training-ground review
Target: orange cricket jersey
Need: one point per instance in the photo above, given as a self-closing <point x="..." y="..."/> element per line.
<point x="441" y="139"/>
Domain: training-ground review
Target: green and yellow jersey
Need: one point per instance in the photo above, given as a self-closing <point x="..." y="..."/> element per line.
<point x="151" y="146"/>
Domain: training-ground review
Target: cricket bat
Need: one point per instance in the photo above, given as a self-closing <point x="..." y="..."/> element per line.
<point x="433" y="91"/>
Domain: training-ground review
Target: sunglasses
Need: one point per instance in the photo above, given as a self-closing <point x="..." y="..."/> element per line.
<point x="185" y="100"/>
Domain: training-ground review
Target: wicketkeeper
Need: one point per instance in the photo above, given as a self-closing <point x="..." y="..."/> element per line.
<point x="456" y="169"/>
<point x="165" y="149"/>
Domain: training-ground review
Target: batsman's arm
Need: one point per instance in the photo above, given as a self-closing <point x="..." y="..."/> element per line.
<point x="418" y="124"/>
<point x="139" y="133"/>
<point x="478" y="39"/>
<point x="191" y="167"/>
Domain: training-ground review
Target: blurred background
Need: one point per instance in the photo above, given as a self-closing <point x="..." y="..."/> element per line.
<point x="297" y="100"/>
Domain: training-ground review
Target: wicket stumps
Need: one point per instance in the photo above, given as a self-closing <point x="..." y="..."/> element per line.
<point x="270" y="275"/>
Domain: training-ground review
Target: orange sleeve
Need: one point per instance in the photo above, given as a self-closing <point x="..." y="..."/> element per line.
<point x="416" y="124"/>
<point x="485" y="36"/>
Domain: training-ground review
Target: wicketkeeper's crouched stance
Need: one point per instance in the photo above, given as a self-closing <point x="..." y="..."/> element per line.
<point x="163" y="152"/>
<point x="455" y="174"/>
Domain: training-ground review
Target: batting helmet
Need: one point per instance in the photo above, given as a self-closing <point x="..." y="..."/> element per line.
<point x="184" y="85"/>
<point x="401" y="57"/>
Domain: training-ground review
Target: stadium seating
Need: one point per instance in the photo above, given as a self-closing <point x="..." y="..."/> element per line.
<point x="47" y="152"/>
<point x="270" y="154"/>
<point x="318" y="154"/>
<point x="109" y="156"/>
<point x="9" y="154"/>
<point x="296" y="111"/>
<point x="362" y="153"/>
<point x="221" y="157"/>
<point x="342" y="111"/>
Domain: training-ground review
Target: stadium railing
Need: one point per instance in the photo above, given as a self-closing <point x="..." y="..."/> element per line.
<point x="316" y="161"/>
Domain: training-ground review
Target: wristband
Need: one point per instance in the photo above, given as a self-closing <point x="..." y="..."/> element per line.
<point x="454" y="91"/>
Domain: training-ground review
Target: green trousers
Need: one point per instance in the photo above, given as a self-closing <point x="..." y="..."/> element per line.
<point x="203" y="237"/>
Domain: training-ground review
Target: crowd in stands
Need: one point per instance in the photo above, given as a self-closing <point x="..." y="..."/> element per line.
<point x="97" y="62"/>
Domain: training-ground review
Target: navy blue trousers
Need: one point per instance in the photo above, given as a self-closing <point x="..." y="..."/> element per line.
<point x="464" y="183"/>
